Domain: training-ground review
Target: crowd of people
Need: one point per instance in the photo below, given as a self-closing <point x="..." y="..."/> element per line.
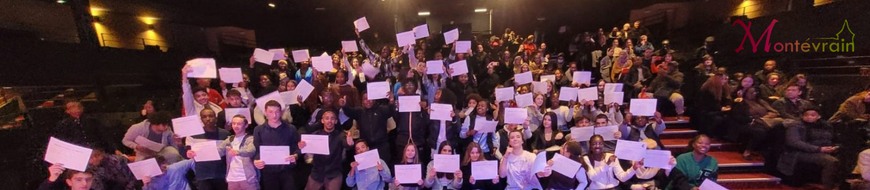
<point x="743" y="108"/>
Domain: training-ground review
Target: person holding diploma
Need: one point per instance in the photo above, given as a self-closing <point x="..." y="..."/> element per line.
<point x="473" y="154"/>
<point x="639" y="128"/>
<point x="209" y="174"/>
<point x="450" y="133"/>
<point x="536" y="111"/>
<point x="411" y="126"/>
<point x="563" y="113"/>
<point x="439" y="180"/>
<point x="581" y="122"/>
<point x="485" y="140"/>
<point x="239" y="148"/>
<point x="372" y="178"/>
<point x="327" y="171"/>
<point x="603" y="169"/>
<point x="276" y="133"/>
<point x="75" y="180"/>
<point x="652" y="178"/>
<point x="173" y="176"/>
<point x="548" y="136"/>
<point x="603" y="120"/>
<point x="517" y="163"/>
<point x="234" y="100"/>
<point x="155" y="129"/>
<point x="372" y="123"/>
<point x="696" y="165"/>
<point x="558" y="181"/>
<point x="194" y="100"/>
<point x="409" y="156"/>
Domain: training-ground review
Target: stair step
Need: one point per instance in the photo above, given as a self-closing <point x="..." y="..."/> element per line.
<point x="749" y="181"/>
<point x="734" y="159"/>
<point x="677" y="133"/>
<point x="674" y="120"/>
<point x="678" y="145"/>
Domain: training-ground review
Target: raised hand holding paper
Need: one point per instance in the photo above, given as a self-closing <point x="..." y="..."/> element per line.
<point x="279" y="54"/>
<point x="551" y="78"/>
<point x="316" y="144"/>
<point x="408" y="174"/>
<point x="524" y="100"/>
<point x="205" y="151"/>
<point x="349" y="46"/>
<point x="565" y="165"/>
<point x="229" y="113"/>
<point x="71" y="156"/>
<point x="151" y="145"/>
<point x="515" y="115"/>
<point x="612" y="87"/>
<point x="361" y="24"/>
<point x="540" y="87"/>
<point x="263" y="56"/>
<point x="441" y="112"/>
<point x="367" y="159"/>
<point x="202" y="68"/>
<point x="485" y="126"/>
<point x="275" y="155"/>
<point x="482" y="170"/>
<point x="588" y="94"/>
<point x="405" y="38"/>
<point x="446" y="163"/>
<point x="187" y="126"/>
<point x="290" y="97"/>
<point x="643" y="107"/>
<point x="409" y="103"/>
<point x="657" y="159"/>
<point x="540" y="162"/>
<point x="462" y="47"/>
<point x="261" y="102"/>
<point x="369" y="70"/>
<point x="630" y="150"/>
<point x="504" y="94"/>
<point x="613" y="97"/>
<point x="459" y="68"/>
<point x="434" y="67"/>
<point x="567" y="93"/>
<point x="304" y="88"/>
<point x="582" y="134"/>
<point x="322" y="63"/>
<point x="421" y="31"/>
<point x="378" y="90"/>
<point x="607" y="132"/>
<point x="230" y="75"/>
<point x="451" y="36"/>
<point x="145" y="168"/>
<point x="582" y="77"/>
<point x="523" y="78"/>
<point x="300" y="55"/>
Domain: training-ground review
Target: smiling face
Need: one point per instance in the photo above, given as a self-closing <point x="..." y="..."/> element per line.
<point x="474" y="154"/>
<point x="208" y="117"/>
<point x="410" y="153"/>
<point x="539" y="100"/>
<point x="547" y="122"/>
<point x="328" y="121"/>
<point x="239" y="125"/>
<point x="482" y="107"/>
<point x="701" y="145"/>
<point x="596" y="144"/>
<point x="515" y="139"/>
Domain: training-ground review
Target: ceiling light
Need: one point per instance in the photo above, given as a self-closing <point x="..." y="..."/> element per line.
<point x="480" y="10"/>
<point x="61" y="1"/>
<point x="272" y="5"/>
<point x="423" y="13"/>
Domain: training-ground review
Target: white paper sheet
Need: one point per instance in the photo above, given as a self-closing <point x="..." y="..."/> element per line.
<point x="515" y="115"/>
<point x="205" y="151"/>
<point x="151" y="145"/>
<point x="710" y="185"/>
<point x="588" y="94"/>
<point x="523" y="78"/>
<point x="524" y="100"/>
<point x="316" y="144"/>
<point x="229" y="113"/>
<point x="451" y="36"/>
<point x="483" y="170"/>
<point x="279" y="54"/>
<point x="540" y="162"/>
<point x="70" y="155"/>
<point x="261" y="102"/>
<point x="290" y="97"/>
<point x="484" y="126"/>
<point x="230" y="75"/>
<point x="612" y="87"/>
<point x="657" y="159"/>
<point x="446" y="163"/>
<point x="349" y="46"/>
<point x="421" y="31"/>
<point x="582" y="77"/>
<point x="361" y="24"/>
<point x="304" y="89"/>
<point x="322" y="63"/>
<point x="202" y="68"/>
<point x="275" y="155"/>
<point x="441" y="112"/>
<point x="462" y="47"/>
<point x="263" y="56"/>
<point x="504" y="94"/>
<point x="434" y="67"/>
<point x="551" y="78"/>
<point x="405" y="38"/>
<point x="643" y="107"/>
<point x="409" y="103"/>
<point x="370" y="70"/>
<point x="367" y="159"/>
<point x="300" y="55"/>
<point x="378" y="90"/>
<point x="567" y="93"/>
<point x="459" y="67"/>
<point x="582" y="134"/>
<point x="409" y="174"/>
<point x="630" y="150"/>
<point x="539" y="87"/>
<point x="607" y="132"/>
<point x="565" y="165"/>
<point x="187" y="126"/>
<point x="613" y="97"/>
<point x="144" y="168"/>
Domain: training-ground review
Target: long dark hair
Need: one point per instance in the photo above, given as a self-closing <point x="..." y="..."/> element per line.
<point x="573" y="148"/>
<point x="441" y="147"/>
<point x="689" y="147"/>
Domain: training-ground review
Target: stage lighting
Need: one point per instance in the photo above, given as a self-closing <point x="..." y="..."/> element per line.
<point x="480" y="10"/>
<point x="272" y="5"/>
<point x="423" y="13"/>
